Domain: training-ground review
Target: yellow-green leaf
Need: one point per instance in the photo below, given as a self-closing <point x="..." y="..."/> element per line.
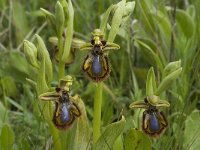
<point x="137" y="140"/>
<point x="108" y="137"/>
<point x="7" y="138"/>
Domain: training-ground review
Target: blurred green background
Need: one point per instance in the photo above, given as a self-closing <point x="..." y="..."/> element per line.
<point x="169" y="28"/>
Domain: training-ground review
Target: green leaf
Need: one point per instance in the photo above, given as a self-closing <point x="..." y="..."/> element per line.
<point x="69" y="33"/>
<point x="14" y="61"/>
<point x="3" y="114"/>
<point x="2" y="4"/>
<point x="82" y="137"/>
<point x="20" y="21"/>
<point x="41" y="80"/>
<point x="192" y="131"/>
<point x="121" y="12"/>
<point x="128" y="10"/>
<point x="164" y="24"/>
<point x="50" y="18"/>
<point x="165" y="30"/>
<point x="185" y="23"/>
<point x="24" y="144"/>
<point x="167" y="81"/>
<point x="118" y="145"/>
<point x="149" y="53"/>
<point x="55" y="136"/>
<point x="14" y="103"/>
<point x="112" y="131"/>
<point x="9" y="86"/>
<point x="143" y="12"/>
<point x="31" y="82"/>
<point x="151" y="82"/>
<point x="116" y="20"/>
<point x="104" y="21"/>
<point x="171" y="67"/>
<point x="137" y="140"/>
<point x="191" y="11"/>
<point x="7" y="137"/>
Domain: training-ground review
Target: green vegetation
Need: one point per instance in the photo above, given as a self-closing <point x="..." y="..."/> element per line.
<point x="158" y="61"/>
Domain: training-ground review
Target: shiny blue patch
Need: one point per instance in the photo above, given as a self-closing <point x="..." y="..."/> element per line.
<point x="96" y="66"/>
<point x="64" y="114"/>
<point x="154" y="123"/>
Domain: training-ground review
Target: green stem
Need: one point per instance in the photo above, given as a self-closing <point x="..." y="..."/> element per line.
<point x="61" y="69"/>
<point x="97" y="112"/>
<point x="61" y="63"/>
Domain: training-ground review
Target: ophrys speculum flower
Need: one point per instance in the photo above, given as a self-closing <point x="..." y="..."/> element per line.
<point x="154" y="122"/>
<point x="65" y="109"/>
<point x="96" y="64"/>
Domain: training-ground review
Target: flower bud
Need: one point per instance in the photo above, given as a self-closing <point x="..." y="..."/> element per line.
<point x="53" y="40"/>
<point x="69" y="33"/>
<point x="60" y="18"/>
<point x="30" y="52"/>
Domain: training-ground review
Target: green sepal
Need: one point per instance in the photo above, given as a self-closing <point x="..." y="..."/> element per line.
<point x="151" y="82"/>
<point x="43" y="55"/>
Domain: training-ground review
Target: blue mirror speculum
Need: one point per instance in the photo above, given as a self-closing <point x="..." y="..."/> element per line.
<point x="154" y="121"/>
<point x="96" y="64"/>
<point x="66" y="110"/>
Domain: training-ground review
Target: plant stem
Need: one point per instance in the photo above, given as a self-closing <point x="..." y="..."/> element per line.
<point x="61" y="69"/>
<point x="97" y="112"/>
<point x="61" y="63"/>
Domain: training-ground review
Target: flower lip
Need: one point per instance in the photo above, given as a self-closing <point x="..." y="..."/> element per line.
<point x="154" y="122"/>
<point x="66" y="110"/>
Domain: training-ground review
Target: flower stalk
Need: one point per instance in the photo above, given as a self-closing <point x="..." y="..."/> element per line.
<point x="61" y="64"/>
<point x="97" y="112"/>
